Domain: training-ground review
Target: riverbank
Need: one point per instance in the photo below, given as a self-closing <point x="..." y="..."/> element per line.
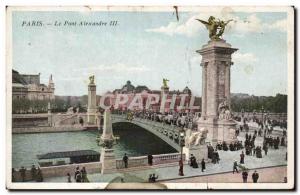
<point x="69" y="128"/>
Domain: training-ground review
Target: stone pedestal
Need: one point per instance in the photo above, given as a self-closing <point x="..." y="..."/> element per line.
<point x="108" y="161"/>
<point x="92" y="107"/>
<point x="216" y="63"/>
<point x="219" y="130"/>
<point x="199" y="152"/>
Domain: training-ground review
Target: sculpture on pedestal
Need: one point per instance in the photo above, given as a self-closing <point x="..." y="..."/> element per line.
<point x="224" y="111"/>
<point x="196" y="138"/>
<point x="165" y="83"/>
<point x="92" y="80"/>
<point x="215" y="27"/>
<point x="216" y="62"/>
<point x="92" y="106"/>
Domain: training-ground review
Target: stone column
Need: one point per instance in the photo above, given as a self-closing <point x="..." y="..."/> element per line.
<point x="204" y="90"/>
<point x="215" y="88"/>
<point x="107" y="158"/>
<point x="212" y="91"/>
<point x="92" y="108"/>
<point x="227" y="83"/>
<point x="163" y="96"/>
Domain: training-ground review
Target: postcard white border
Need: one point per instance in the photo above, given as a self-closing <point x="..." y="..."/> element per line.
<point x="290" y="37"/>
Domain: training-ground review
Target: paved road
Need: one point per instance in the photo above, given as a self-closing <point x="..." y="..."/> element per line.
<point x="266" y="175"/>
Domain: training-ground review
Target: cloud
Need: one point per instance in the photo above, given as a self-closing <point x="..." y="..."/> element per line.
<point x="118" y="68"/>
<point x="191" y="27"/>
<point x="242" y="58"/>
<point x="278" y="25"/>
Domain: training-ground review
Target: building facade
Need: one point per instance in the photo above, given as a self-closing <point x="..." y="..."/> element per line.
<point x="131" y="91"/>
<point x="26" y="86"/>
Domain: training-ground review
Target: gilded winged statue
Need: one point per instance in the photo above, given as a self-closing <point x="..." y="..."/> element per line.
<point x="165" y="83"/>
<point x="92" y="79"/>
<point x="215" y="27"/>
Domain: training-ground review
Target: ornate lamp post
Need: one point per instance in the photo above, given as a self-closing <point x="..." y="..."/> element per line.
<point x="181" y="143"/>
<point x="262" y="116"/>
<point x="242" y="119"/>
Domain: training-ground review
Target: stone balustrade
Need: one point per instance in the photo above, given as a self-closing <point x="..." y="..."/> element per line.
<point x="132" y="162"/>
<point x="167" y="158"/>
<point x="143" y="160"/>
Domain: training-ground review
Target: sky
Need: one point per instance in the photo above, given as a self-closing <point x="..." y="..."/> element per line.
<point x="145" y="47"/>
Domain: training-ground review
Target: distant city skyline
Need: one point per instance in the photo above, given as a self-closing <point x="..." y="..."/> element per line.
<point x="146" y="47"/>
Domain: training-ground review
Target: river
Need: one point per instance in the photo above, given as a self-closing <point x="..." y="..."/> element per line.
<point x="134" y="141"/>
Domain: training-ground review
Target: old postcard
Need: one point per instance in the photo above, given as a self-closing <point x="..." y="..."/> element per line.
<point x="173" y="97"/>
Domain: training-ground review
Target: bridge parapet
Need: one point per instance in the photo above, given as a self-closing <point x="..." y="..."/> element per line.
<point x="143" y="160"/>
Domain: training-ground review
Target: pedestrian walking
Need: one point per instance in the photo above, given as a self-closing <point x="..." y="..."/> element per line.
<point x="245" y="176"/>
<point x="84" y="177"/>
<point x="255" y="177"/>
<point x="69" y="178"/>
<point x="125" y="160"/>
<point x="203" y="167"/>
<point x="235" y="167"/>
<point x="39" y="175"/>
<point x="150" y="159"/>
<point x="33" y="172"/>
<point x="242" y="158"/>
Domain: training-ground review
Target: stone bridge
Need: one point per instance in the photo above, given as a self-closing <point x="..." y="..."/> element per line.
<point x="168" y="133"/>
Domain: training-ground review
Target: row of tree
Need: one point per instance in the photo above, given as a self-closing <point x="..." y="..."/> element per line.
<point x="25" y="106"/>
<point x="277" y="104"/>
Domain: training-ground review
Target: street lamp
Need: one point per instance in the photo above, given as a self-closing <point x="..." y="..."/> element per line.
<point x="181" y="143"/>
<point x="262" y="116"/>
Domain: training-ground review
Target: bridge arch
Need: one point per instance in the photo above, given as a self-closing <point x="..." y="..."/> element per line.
<point x="167" y="133"/>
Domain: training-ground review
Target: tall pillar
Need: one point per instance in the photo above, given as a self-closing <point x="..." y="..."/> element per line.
<point x="204" y="90"/>
<point x="92" y="107"/>
<point x="107" y="159"/>
<point x="227" y="83"/>
<point x="163" y="96"/>
<point x="212" y="91"/>
<point x="216" y="62"/>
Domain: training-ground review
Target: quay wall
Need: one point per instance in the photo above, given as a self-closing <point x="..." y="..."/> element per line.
<point x="47" y="129"/>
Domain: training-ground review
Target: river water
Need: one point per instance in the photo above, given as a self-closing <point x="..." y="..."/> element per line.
<point x="134" y="141"/>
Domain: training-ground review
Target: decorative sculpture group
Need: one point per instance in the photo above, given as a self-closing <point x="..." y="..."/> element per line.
<point x="224" y="111"/>
<point x="196" y="138"/>
<point x="215" y="27"/>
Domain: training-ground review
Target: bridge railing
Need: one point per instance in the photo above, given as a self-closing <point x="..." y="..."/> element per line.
<point x="143" y="160"/>
<point x="167" y="158"/>
<point x="132" y="162"/>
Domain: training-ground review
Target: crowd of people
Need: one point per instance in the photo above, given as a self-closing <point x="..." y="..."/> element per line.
<point x="24" y="175"/>
<point x="187" y="120"/>
<point x="152" y="178"/>
<point x="80" y="176"/>
<point x="193" y="163"/>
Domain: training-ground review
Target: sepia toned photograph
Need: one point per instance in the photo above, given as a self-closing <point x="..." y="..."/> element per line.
<point x="150" y="98"/>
